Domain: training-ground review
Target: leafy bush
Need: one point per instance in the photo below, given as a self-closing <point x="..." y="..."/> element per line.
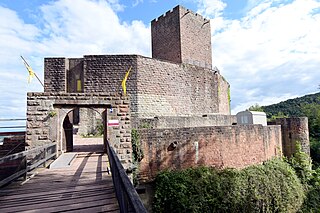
<point x="272" y="187"/>
<point x="302" y="164"/>
<point x="312" y="201"/>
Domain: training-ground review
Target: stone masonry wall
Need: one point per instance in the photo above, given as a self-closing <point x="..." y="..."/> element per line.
<point x="294" y="130"/>
<point x="224" y="96"/>
<point x="168" y="89"/>
<point x="104" y="73"/>
<point x="55" y="74"/>
<point x="195" y="34"/>
<point x="187" y="121"/>
<point x="46" y="112"/>
<point x="165" y="34"/>
<point x="182" y="36"/>
<point x="155" y="87"/>
<point x="89" y="120"/>
<point x="221" y="147"/>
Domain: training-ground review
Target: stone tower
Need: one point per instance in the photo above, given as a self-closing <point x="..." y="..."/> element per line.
<point x="182" y="36"/>
<point x="294" y="130"/>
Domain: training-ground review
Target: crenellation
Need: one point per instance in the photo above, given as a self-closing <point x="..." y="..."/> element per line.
<point x="182" y="36"/>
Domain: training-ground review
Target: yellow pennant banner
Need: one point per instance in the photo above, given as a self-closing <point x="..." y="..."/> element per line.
<point x="30" y="71"/>
<point x="32" y="74"/>
<point x="125" y="80"/>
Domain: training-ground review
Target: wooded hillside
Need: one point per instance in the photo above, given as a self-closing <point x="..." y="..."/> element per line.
<point x="292" y="107"/>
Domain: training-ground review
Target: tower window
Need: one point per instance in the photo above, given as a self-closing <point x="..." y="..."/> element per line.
<point x="79" y="86"/>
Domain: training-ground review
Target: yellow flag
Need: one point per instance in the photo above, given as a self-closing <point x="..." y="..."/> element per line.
<point x="124" y="81"/>
<point x="30" y="71"/>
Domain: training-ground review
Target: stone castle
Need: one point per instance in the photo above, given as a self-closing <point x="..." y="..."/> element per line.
<point x="179" y="104"/>
<point x="176" y="81"/>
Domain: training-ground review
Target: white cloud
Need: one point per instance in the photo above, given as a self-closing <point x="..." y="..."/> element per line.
<point x="211" y="8"/>
<point x="271" y="53"/>
<point x="136" y="2"/>
<point x="64" y="28"/>
<point x="96" y="26"/>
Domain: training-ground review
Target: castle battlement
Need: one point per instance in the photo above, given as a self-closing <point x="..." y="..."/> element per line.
<point x="182" y="36"/>
<point x="165" y="15"/>
<point x="177" y="9"/>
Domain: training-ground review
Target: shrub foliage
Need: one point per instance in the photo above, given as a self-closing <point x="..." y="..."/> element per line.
<point x="272" y="187"/>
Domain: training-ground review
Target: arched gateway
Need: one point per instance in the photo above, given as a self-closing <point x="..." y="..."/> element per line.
<point x="47" y="112"/>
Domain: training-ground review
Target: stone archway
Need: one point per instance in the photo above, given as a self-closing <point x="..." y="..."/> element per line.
<point x="88" y="134"/>
<point x="67" y="139"/>
<point x="46" y="112"/>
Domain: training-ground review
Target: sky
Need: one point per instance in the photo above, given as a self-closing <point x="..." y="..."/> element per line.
<point x="268" y="50"/>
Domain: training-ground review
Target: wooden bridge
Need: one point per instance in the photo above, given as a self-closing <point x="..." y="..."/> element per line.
<point x="94" y="182"/>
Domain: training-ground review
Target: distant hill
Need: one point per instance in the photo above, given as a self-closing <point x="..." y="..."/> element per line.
<point x="291" y="107"/>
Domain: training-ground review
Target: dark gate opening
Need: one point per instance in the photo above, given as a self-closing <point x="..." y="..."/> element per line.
<point x="84" y="130"/>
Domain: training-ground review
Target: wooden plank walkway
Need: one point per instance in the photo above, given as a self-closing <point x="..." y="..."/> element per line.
<point x="86" y="186"/>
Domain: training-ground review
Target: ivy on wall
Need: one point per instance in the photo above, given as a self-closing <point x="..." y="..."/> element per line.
<point x="229" y="97"/>
<point x="136" y="146"/>
<point x="137" y="153"/>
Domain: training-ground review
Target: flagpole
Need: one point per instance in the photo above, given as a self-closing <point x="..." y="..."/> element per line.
<point x="24" y="61"/>
<point x="38" y="79"/>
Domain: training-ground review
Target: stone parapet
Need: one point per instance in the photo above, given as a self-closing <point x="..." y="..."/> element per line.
<point x="163" y="122"/>
<point x="220" y="147"/>
<point x="55" y="74"/>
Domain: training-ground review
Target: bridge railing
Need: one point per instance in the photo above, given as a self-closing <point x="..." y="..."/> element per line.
<point x="23" y="162"/>
<point x="128" y="198"/>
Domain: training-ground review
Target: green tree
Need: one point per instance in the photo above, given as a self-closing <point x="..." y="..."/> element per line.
<point x="256" y="107"/>
<point x="312" y="111"/>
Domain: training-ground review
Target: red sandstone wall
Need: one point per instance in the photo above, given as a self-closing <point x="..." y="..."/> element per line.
<point x="221" y="147"/>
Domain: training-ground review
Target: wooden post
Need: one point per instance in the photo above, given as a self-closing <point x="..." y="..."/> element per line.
<point x="44" y="157"/>
<point x="25" y="167"/>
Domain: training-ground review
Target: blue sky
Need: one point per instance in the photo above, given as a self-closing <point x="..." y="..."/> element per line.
<point x="268" y="50"/>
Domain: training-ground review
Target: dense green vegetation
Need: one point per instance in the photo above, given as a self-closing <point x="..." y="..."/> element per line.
<point x="310" y="178"/>
<point x="279" y="185"/>
<point x="272" y="187"/>
<point x="292" y="107"/>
